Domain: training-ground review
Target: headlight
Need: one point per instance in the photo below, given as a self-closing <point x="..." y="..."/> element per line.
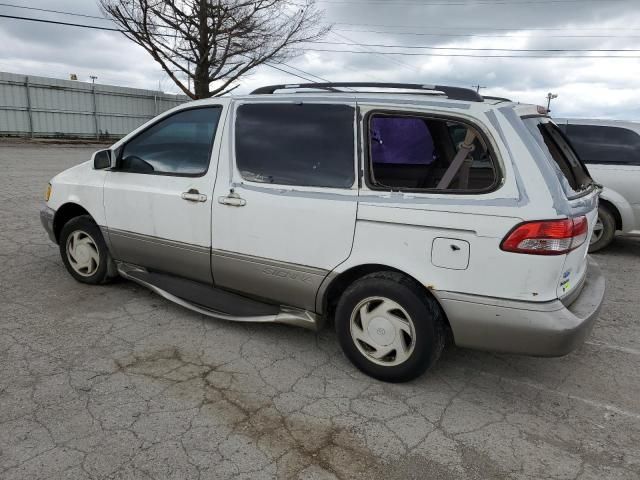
<point x="47" y="193"/>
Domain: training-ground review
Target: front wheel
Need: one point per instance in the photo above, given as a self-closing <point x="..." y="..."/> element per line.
<point x="84" y="252"/>
<point x="389" y="327"/>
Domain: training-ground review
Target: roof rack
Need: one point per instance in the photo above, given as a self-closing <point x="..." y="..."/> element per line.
<point x="501" y="99"/>
<point x="453" y="93"/>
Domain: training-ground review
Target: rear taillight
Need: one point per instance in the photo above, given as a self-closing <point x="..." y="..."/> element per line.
<point x="547" y="237"/>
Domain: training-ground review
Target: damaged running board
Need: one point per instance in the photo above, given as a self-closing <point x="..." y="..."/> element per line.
<point x="217" y="303"/>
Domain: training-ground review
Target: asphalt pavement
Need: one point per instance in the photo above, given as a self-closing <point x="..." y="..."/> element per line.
<point x="116" y="382"/>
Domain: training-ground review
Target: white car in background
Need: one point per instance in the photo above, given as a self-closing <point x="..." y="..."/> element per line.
<point x="405" y="217"/>
<point x="611" y="150"/>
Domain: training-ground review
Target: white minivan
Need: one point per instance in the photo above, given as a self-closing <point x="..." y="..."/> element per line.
<point x="611" y="149"/>
<point x="406" y="214"/>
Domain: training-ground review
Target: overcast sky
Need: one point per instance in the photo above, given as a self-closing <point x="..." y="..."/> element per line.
<point x="587" y="87"/>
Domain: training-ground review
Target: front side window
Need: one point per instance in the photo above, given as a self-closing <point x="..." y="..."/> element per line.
<point x="417" y="153"/>
<point x="603" y="144"/>
<point x="296" y="144"/>
<point x="178" y="145"/>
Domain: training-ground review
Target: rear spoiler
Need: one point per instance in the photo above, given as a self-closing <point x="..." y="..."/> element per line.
<point x="530" y="110"/>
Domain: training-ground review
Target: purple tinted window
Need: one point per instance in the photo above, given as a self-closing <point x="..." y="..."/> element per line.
<point x="401" y="140"/>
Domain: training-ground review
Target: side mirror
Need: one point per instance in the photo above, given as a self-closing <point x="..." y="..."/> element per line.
<point x="102" y="159"/>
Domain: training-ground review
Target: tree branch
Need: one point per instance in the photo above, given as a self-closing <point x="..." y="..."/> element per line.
<point x="216" y="40"/>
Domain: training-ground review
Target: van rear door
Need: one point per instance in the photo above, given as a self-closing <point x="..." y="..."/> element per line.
<point x="579" y="188"/>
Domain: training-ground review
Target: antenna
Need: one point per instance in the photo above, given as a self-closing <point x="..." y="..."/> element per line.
<point x="550" y="96"/>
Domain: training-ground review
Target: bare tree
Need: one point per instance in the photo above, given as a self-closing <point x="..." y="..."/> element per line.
<point x="216" y="41"/>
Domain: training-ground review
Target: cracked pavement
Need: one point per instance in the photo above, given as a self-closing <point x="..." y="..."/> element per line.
<point x="114" y="382"/>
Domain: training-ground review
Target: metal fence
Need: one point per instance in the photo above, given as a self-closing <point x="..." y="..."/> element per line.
<point x="47" y="107"/>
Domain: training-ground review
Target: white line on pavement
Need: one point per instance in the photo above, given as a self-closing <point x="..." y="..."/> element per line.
<point x="593" y="403"/>
<point x="608" y="346"/>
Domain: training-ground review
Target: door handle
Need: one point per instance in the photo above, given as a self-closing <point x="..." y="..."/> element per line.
<point x="233" y="200"/>
<point x="194" y="195"/>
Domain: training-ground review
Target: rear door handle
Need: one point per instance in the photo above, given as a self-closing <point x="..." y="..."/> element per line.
<point x="194" y="195"/>
<point x="233" y="200"/>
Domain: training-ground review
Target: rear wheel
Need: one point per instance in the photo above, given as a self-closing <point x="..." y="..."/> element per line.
<point x="84" y="252"/>
<point x="604" y="230"/>
<point x="389" y="327"/>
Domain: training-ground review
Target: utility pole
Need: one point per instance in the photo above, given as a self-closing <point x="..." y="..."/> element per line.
<point x="550" y="96"/>
<point x="29" y="109"/>
<point x="95" y="106"/>
<point x="478" y="87"/>
<point x="155" y="100"/>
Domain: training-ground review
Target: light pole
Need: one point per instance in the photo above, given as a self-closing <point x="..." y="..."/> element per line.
<point x="93" y="78"/>
<point x="550" y="96"/>
<point x="478" y="87"/>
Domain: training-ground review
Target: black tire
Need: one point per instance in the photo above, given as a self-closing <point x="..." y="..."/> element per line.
<point x="608" y="229"/>
<point x="105" y="270"/>
<point x="424" y="315"/>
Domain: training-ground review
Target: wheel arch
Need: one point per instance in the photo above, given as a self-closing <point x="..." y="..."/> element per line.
<point x="614" y="211"/>
<point x="620" y="208"/>
<point x="337" y="283"/>
<point x="65" y="213"/>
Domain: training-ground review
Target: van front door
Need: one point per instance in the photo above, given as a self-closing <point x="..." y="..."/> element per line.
<point x="158" y="198"/>
<point x="285" y="207"/>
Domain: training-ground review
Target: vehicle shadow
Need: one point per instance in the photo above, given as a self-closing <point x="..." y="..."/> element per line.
<point x="623" y="245"/>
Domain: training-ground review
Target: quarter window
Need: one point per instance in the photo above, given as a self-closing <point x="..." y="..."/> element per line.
<point x="178" y="145"/>
<point x="420" y="153"/>
<point x="296" y="144"/>
<point x="602" y="144"/>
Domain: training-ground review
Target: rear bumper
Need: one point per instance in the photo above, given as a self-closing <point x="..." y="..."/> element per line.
<point x="542" y="329"/>
<point x="46" y="217"/>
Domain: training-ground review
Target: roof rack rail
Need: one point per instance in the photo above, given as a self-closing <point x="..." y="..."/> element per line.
<point x="453" y="93"/>
<point x="502" y="99"/>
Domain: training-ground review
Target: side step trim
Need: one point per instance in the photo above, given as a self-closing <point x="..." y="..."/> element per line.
<point x="286" y="315"/>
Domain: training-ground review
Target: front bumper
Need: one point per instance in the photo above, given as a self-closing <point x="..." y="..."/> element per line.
<point x="46" y="217"/>
<point x="547" y="329"/>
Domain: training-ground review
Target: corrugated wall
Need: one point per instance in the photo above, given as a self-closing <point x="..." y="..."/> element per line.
<point x="48" y="107"/>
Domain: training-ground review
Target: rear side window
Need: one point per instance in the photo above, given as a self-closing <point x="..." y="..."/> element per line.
<point x="418" y="153"/>
<point x="177" y="145"/>
<point x="559" y="150"/>
<point x="296" y="144"/>
<point x="603" y="144"/>
<point x="401" y="141"/>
